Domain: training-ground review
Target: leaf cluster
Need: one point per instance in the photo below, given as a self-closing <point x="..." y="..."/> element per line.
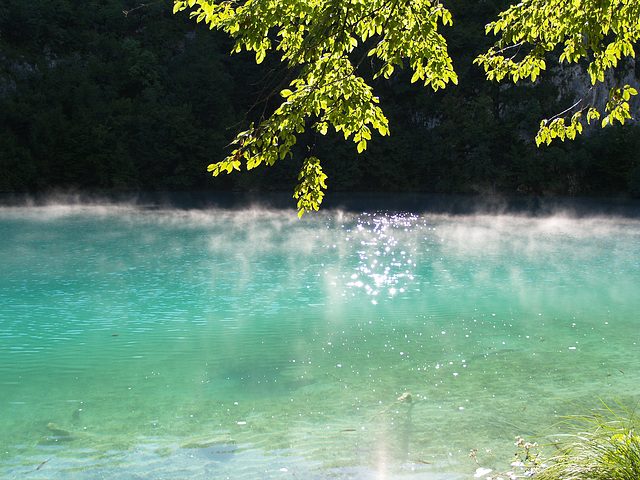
<point x="323" y="43"/>
<point x="143" y="101"/>
<point x="599" y="32"/>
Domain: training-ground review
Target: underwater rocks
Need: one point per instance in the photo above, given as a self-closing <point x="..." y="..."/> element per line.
<point x="56" y="435"/>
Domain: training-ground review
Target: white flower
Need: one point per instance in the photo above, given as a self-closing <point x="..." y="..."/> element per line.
<point x="481" y="472"/>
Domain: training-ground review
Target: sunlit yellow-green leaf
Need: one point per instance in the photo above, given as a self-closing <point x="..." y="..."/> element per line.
<point x="318" y="42"/>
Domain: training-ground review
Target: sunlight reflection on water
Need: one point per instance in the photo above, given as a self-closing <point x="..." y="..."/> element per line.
<point x="250" y="344"/>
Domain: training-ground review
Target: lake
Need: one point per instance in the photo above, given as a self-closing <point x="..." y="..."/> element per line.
<point x="145" y="341"/>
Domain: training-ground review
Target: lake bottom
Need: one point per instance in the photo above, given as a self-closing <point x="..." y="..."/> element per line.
<point x="249" y="344"/>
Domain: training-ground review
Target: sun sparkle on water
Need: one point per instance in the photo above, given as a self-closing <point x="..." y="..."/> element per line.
<point x="250" y="344"/>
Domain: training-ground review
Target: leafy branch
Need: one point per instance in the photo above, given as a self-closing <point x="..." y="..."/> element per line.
<point x="603" y="34"/>
<point x="315" y="39"/>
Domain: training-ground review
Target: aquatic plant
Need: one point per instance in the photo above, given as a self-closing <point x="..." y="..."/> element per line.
<point x="527" y="462"/>
<point x="605" y="447"/>
<point x="608" y="450"/>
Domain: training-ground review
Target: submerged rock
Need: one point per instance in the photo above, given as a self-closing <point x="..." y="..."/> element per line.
<point x="57" y="435"/>
<point x="405" y="397"/>
<point x="211" y="442"/>
<point x="57" y="431"/>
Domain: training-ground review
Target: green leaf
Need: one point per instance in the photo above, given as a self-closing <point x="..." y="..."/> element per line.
<point x="318" y="41"/>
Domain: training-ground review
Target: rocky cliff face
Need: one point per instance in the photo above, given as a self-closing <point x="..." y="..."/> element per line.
<point x="574" y="83"/>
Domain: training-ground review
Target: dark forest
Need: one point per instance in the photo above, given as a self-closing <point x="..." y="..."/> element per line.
<point x="102" y="96"/>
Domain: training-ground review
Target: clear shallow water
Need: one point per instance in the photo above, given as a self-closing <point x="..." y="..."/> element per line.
<point x="138" y="343"/>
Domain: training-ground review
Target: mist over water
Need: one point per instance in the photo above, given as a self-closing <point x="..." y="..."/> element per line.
<point x="151" y="342"/>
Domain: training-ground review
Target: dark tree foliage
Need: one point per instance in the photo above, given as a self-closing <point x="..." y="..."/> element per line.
<point x="95" y="99"/>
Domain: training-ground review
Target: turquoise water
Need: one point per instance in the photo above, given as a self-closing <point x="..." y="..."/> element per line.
<point x="187" y="344"/>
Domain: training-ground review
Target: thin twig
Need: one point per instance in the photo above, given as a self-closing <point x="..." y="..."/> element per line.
<point x="142" y="5"/>
<point x="581" y="100"/>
